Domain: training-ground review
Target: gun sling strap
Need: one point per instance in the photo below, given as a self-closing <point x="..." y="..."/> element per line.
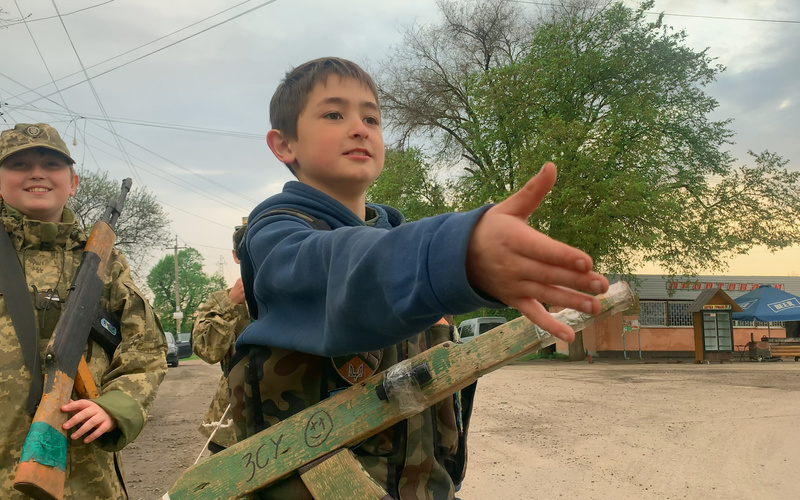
<point x="18" y="303"/>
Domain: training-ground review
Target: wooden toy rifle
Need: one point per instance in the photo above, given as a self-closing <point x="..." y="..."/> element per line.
<point x="314" y="441"/>
<point x="42" y="467"/>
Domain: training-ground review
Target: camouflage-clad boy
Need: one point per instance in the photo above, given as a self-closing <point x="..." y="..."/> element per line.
<point x="339" y="288"/>
<point x="36" y="179"/>
<point x="220" y="320"/>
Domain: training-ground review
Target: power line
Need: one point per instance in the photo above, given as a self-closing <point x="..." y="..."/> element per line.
<point x="53" y="17"/>
<point x="88" y="78"/>
<point x="186" y="185"/>
<point x="727" y="18"/>
<point x="41" y="56"/>
<point x="96" y="95"/>
<point x="142" y="46"/>
<point x="752" y="19"/>
<point x="177" y="181"/>
<point x="144" y="123"/>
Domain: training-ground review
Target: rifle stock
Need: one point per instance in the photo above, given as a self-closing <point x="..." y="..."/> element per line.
<point x="42" y="469"/>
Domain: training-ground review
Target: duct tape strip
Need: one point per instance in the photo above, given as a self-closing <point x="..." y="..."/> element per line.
<point x="402" y="383"/>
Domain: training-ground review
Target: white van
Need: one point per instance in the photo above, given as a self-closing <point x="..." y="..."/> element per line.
<point x="471" y="328"/>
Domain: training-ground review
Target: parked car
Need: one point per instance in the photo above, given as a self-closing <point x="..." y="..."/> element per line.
<point x="172" y="350"/>
<point x="184" y="343"/>
<point x="471" y="328"/>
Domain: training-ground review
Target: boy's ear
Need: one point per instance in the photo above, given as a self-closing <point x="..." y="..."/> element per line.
<point x="280" y="146"/>
<point x="73" y="185"/>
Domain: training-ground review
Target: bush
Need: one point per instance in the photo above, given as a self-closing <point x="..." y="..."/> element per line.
<point x="543" y="355"/>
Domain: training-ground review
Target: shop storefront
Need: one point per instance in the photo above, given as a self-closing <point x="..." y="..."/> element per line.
<point x="660" y="325"/>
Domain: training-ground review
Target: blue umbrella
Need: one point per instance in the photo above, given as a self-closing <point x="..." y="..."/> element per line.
<point x="766" y="304"/>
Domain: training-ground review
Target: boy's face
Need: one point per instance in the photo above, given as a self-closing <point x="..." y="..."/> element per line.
<point x="37" y="184"/>
<point x="339" y="145"/>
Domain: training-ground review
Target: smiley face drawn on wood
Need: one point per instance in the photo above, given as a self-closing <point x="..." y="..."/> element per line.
<point x="318" y="428"/>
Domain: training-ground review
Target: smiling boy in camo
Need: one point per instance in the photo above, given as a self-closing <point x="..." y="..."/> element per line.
<point x="36" y="180"/>
<point x="340" y="288"/>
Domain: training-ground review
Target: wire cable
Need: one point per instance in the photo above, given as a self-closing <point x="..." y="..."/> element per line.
<point x="680" y="15"/>
<point x="97" y="96"/>
<point x="88" y="78"/>
<point x="177" y="180"/>
<point x="41" y="56"/>
<point x="144" y="123"/>
<point x="53" y="17"/>
<point x="236" y="193"/>
<point x="142" y="46"/>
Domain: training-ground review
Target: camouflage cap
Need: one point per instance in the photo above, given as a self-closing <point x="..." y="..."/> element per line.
<point x="27" y="135"/>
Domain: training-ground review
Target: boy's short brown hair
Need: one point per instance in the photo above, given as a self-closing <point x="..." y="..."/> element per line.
<point x="292" y="93"/>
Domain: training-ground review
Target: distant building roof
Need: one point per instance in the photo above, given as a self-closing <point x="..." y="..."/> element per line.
<point x="656" y="287"/>
<point x="706" y="296"/>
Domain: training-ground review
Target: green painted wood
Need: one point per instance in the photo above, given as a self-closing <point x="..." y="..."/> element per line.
<point x="340" y="476"/>
<point x="356" y="413"/>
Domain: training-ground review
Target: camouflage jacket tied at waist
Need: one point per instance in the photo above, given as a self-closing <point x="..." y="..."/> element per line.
<point x="217" y="326"/>
<point x="415" y="459"/>
<point x="50" y="254"/>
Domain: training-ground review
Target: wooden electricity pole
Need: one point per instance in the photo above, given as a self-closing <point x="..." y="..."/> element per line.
<point x="178" y="315"/>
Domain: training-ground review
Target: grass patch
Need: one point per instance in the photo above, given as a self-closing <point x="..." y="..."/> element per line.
<point x="543" y="355"/>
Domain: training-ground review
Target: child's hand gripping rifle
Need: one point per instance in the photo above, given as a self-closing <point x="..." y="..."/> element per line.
<point x="41" y="471"/>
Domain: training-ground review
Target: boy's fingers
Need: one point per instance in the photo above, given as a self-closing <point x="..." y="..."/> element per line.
<point x="527" y="199"/>
<point x="535" y="312"/>
<point x="528" y="273"/>
<point x="560" y="297"/>
<point x="99" y="431"/>
<point x="541" y="248"/>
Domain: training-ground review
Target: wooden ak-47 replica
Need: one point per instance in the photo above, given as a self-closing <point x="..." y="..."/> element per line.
<point x="314" y="441"/>
<point x="42" y="467"/>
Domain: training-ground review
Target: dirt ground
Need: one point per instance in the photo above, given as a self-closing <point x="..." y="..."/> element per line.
<point x="554" y="429"/>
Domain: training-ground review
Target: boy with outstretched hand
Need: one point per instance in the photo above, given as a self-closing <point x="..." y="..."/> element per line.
<point x="340" y="288"/>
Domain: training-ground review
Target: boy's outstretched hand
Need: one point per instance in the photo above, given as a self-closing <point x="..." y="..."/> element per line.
<point x="523" y="268"/>
<point x="90" y="416"/>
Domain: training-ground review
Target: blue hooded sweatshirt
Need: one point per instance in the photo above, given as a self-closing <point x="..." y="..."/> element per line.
<point x="354" y="288"/>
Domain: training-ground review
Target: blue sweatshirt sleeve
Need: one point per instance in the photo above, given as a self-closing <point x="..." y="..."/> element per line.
<point x="354" y="289"/>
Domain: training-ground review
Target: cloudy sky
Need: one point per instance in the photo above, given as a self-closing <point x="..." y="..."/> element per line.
<point x="180" y="90"/>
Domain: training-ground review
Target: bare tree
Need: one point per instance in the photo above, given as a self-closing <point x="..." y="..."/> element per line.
<point x="424" y="86"/>
<point x="142" y="226"/>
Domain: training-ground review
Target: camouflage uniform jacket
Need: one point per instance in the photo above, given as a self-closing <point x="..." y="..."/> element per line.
<point x="219" y="322"/>
<point x="50" y="254"/>
<point x="322" y="298"/>
<point x="422" y="457"/>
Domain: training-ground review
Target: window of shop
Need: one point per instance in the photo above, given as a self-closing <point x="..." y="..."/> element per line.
<point x="664" y="313"/>
<point x="652" y="313"/>
<point x="679" y="314"/>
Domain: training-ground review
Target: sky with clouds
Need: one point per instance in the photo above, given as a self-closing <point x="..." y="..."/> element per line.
<point x="185" y="87"/>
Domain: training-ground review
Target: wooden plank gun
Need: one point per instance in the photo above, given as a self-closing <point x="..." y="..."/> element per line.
<point x="348" y="417"/>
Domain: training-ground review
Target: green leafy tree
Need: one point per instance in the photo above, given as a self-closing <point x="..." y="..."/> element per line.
<point x="407" y="183"/>
<point x="141" y="227"/>
<point x="618" y="103"/>
<point x="194" y="286"/>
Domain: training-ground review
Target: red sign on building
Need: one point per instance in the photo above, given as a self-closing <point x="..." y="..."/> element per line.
<point x="708" y="285"/>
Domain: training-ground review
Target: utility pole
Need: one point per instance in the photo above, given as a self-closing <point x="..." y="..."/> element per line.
<point x="178" y="314"/>
<point x="221" y="264"/>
